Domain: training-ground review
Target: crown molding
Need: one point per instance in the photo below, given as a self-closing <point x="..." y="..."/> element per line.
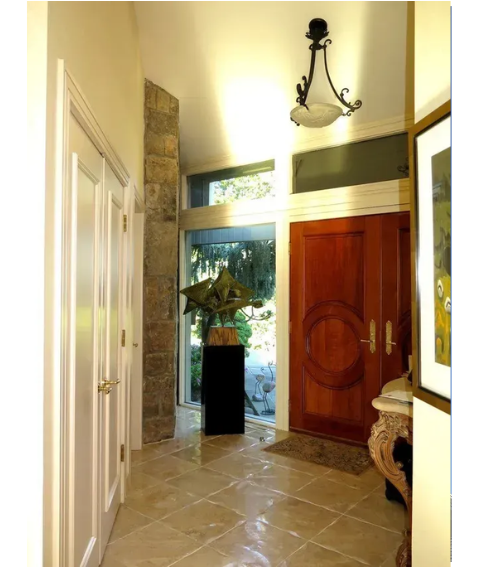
<point x="326" y="139"/>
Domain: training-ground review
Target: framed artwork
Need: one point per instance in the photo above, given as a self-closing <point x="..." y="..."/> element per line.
<point x="430" y="157"/>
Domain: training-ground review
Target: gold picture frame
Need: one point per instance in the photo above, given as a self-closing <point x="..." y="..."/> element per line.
<point x="430" y="193"/>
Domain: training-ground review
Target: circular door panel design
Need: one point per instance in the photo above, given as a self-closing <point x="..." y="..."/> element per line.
<point x="334" y="353"/>
<point x="333" y="345"/>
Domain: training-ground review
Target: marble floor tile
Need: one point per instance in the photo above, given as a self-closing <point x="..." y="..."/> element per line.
<point x="206" y="557"/>
<point x="376" y="509"/>
<point x="301" y="518"/>
<point x="160" y="501"/>
<point x="233" y="442"/>
<point x="334" y="496"/>
<point x="258" y="544"/>
<point x="365" y="542"/>
<point x="204" y="521"/>
<point x="202" y="481"/>
<point x="281" y="479"/>
<point x="165" y="467"/>
<point x="127" y="521"/>
<point x="201" y="454"/>
<point x="154" y="545"/>
<point x="315" y="556"/>
<point x="247" y="498"/>
<point x="237" y="465"/>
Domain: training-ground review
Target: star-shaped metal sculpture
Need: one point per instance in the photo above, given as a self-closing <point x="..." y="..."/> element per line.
<point x="224" y="296"/>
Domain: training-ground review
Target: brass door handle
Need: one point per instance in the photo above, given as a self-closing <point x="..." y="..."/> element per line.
<point x="389" y="334"/>
<point x="106" y="386"/>
<point x="135" y="344"/>
<point x="371" y="339"/>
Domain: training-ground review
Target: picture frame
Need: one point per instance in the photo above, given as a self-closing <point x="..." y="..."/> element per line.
<point x="430" y="192"/>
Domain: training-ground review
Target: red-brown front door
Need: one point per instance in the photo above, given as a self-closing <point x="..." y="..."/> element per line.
<point x="335" y="304"/>
<point x="396" y="296"/>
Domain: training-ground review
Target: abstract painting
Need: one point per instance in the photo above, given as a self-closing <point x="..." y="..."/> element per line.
<point x="441" y="208"/>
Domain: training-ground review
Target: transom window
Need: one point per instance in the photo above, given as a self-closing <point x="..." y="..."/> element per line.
<point x="250" y="182"/>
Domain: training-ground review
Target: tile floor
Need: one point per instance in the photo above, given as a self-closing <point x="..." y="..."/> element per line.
<point x="223" y="501"/>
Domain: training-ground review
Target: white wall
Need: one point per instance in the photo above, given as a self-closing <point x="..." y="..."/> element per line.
<point x="431" y="427"/>
<point x="234" y="67"/>
<point x="27" y="273"/>
<point x="98" y="42"/>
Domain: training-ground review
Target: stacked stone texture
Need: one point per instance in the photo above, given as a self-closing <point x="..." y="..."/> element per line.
<point x="160" y="263"/>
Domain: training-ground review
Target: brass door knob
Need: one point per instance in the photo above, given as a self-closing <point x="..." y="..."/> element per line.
<point x="371" y="339"/>
<point x="135" y="344"/>
<point x="106" y="386"/>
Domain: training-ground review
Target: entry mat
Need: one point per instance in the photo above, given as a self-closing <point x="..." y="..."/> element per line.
<point x="340" y="456"/>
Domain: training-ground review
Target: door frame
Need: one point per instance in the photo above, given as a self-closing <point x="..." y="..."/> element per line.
<point x="137" y="211"/>
<point x="68" y="100"/>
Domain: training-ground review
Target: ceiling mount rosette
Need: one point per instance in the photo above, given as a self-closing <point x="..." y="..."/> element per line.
<point x="316" y="115"/>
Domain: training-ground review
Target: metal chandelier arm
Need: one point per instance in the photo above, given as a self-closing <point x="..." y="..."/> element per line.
<point x="357" y="104"/>
<point x="303" y="91"/>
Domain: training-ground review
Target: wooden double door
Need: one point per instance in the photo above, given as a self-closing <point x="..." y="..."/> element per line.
<point x="350" y="307"/>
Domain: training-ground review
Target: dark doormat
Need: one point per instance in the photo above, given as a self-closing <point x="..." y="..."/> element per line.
<point x="334" y="455"/>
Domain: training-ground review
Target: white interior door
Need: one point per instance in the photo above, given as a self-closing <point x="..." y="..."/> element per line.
<point x="82" y="335"/>
<point x="111" y="386"/>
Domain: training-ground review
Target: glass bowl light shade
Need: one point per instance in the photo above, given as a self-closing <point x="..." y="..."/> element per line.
<point x="317" y="115"/>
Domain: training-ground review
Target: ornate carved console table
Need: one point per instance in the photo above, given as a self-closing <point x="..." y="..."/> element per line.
<point x="395" y="423"/>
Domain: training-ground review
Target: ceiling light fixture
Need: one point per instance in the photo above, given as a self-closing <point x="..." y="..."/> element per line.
<point x="316" y="115"/>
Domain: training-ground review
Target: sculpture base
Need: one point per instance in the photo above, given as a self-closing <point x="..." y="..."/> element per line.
<point x="223" y="390"/>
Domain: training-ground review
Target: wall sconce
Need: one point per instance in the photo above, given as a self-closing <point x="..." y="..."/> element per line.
<point x="316" y="115"/>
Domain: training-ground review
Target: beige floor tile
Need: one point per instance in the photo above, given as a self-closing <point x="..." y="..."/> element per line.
<point x="258" y="544"/>
<point x="370" y="479"/>
<point x="247" y="498"/>
<point x="126" y="522"/>
<point x="160" y="501"/>
<point x="365" y="542"/>
<point x="303" y="466"/>
<point x="304" y="519"/>
<point x="233" y="442"/>
<point x="146" y="454"/>
<point x="154" y="545"/>
<point x="169" y="446"/>
<point x="281" y="479"/>
<point x="202" y="481"/>
<point x="334" y="496"/>
<point x="376" y="509"/>
<point x="201" y="454"/>
<point x="206" y="557"/>
<point x="139" y="482"/>
<point x="204" y="521"/>
<point x="390" y="561"/>
<point x="237" y="465"/>
<point x="315" y="556"/>
<point x="165" y="467"/>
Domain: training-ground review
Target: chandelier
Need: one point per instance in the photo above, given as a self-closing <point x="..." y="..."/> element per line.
<point x="316" y="115"/>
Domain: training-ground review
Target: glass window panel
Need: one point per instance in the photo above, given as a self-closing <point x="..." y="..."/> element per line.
<point x="250" y="182"/>
<point x="374" y="160"/>
<point x="249" y="255"/>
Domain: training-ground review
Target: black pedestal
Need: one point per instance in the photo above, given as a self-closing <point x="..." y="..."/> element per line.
<point x="223" y="390"/>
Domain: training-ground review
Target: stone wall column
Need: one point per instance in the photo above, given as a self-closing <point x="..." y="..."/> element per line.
<point x="160" y="334"/>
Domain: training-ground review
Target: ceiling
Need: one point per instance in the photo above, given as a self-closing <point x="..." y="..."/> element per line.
<point x="234" y="68"/>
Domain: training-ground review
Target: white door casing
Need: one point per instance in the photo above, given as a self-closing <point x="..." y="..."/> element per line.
<point x="136" y="396"/>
